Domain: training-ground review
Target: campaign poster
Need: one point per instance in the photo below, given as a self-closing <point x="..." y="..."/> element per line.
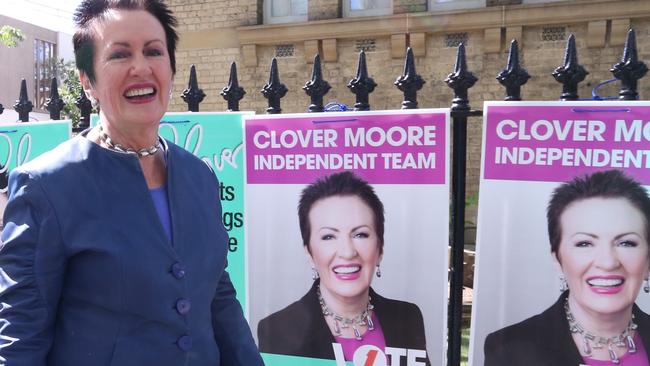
<point x="529" y="150"/>
<point x="22" y="142"/>
<point x="216" y="138"/>
<point x="403" y="156"/>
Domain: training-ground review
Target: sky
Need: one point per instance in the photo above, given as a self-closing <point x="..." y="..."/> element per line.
<point x="51" y="14"/>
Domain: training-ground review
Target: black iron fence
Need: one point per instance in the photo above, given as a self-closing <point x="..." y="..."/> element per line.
<point x="629" y="70"/>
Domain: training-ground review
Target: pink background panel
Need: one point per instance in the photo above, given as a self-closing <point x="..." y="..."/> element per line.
<point x="339" y="123"/>
<point x="608" y="114"/>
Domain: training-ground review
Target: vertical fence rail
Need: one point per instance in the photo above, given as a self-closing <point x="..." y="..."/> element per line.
<point x="460" y="80"/>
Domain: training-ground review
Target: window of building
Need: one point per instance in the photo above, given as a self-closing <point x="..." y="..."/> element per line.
<point x="455" y="39"/>
<point x="284" y="50"/>
<point x="44" y="71"/>
<point x="360" y="8"/>
<point x="285" y="11"/>
<point x="443" y="5"/>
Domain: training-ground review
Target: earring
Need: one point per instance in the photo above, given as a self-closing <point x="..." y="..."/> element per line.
<point x="563" y="284"/>
<point x="314" y="274"/>
<point x="646" y="287"/>
<point x="378" y="271"/>
<point x="94" y="102"/>
<point x="171" y="93"/>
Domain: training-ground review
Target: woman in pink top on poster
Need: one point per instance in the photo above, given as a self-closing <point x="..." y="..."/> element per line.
<point x="342" y="227"/>
<point x="598" y="227"/>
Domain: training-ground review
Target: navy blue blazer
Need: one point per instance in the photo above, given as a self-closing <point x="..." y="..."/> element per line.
<point x="545" y="339"/>
<point x="89" y="277"/>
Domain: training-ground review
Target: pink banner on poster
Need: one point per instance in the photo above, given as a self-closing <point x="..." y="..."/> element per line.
<point x="390" y="147"/>
<point x="554" y="143"/>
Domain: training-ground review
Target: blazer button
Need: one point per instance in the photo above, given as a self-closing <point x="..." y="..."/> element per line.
<point x="183" y="306"/>
<point x="178" y="270"/>
<point x="184" y="343"/>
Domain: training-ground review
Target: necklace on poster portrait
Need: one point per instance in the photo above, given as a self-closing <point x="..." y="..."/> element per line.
<point x="591" y="341"/>
<point x="360" y="320"/>
<point x="147" y="151"/>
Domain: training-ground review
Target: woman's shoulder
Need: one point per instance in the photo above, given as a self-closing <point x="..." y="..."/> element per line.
<point x="58" y="159"/>
<point x="393" y="306"/>
<point x="187" y="160"/>
<point x="538" y="331"/>
<point x="298" y="329"/>
<point x="295" y="313"/>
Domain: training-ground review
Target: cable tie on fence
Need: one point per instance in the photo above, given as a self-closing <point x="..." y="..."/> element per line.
<point x="600" y="110"/>
<point x="335" y="107"/>
<point x="172" y="122"/>
<point x="594" y="91"/>
<point x="334" y="121"/>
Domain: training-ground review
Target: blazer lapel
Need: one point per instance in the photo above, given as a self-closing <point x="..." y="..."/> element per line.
<point x="120" y="177"/>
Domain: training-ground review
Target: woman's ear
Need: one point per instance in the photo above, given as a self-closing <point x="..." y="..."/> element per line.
<point x="86" y="85"/>
<point x="310" y="260"/>
<point x="556" y="262"/>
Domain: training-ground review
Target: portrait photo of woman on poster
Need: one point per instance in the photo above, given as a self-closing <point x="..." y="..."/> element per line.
<point x="341" y="222"/>
<point x="598" y="225"/>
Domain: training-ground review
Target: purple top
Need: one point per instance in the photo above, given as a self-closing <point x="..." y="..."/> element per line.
<point x="160" y="201"/>
<point x="374" y="337"/>
<point x="638" y="358"/>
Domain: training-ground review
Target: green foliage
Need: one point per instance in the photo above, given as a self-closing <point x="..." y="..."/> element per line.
<point x="10" y="36"/>
<point x="69" y="89"/>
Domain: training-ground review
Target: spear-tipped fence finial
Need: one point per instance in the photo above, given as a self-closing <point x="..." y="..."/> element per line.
<point x="362" y="85"/>
<point x="629" y="70"/>
<point x="460" y="81"/>
<point x="54" y="103"/>
<point x="409" y="82"/>
<point x="571" y="73"/>
<point x="193" y="95"/>
<point x="233" y="93"/>
<point x="23" y="105"/>
<point x="316" y="88"/>
<point x="274" y="90"/>
<point x="513" y="76"/>
<point x="85" y="108"/>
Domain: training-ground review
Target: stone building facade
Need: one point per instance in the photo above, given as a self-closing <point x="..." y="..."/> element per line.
<point x="215" y="33"/>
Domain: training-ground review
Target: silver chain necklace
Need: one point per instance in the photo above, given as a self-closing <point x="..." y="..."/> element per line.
<point x="342" y="322"/>
<point x="147" y="151"/>
<point x="591" y="341"/>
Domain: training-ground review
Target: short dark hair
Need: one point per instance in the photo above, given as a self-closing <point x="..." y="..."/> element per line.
<point x="604" y="184"/>
<point x="339" y="184"/>
<point x="90" y="10"/>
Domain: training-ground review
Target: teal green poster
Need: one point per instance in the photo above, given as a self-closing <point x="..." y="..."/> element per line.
<point x="217" y="139"/>
<point x="22" y="142"/>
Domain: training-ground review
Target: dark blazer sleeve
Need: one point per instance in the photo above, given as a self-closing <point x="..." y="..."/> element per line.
<point x="297" y="330"/>
<point x="231" y="330"/>
<point x="32" y="266"/>
<point x="541" y="340"/>
<point x="403" y="325"/>
<point x="495" y="349"/>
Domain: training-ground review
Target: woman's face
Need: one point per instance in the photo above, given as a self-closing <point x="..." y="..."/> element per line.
<point x="344" y="246"/>
<point x="604" y="254"/>
<point x="132" y="68"/>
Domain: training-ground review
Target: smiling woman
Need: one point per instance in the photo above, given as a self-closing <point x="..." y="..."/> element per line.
<point x="100" y="263"/>
<point x="598" y="228"/>
<point x="342" y="227"/>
